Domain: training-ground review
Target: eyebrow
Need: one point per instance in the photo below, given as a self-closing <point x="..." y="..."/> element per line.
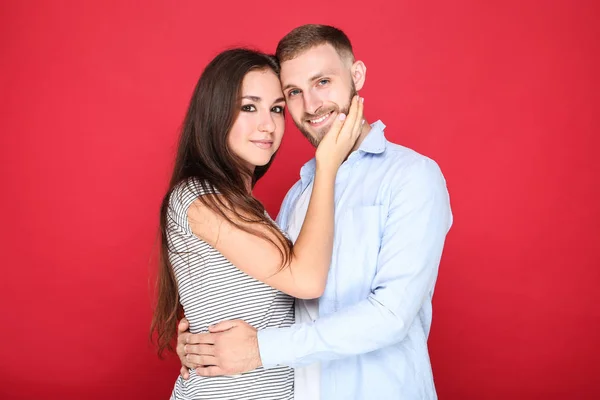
<point x="312" y="78"/>
<point x="258" y="99"/>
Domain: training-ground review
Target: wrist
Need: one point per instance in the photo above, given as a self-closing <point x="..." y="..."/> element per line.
<point x="326" y="169"/>
<point x="257" y="357"/>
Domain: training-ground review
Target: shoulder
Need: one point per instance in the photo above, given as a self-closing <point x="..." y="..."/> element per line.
<point x="184" y="199"/>
<point x="288" y="201"/>
<point x="418" y="185"/>
<point x="410" y="176"/>
<point x="188" y="191"/>
<point x="407" y="165"/>
<point x="293" y="193"/>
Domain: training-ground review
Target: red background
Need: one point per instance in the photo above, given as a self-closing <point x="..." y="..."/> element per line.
<point x="503" y="94"/>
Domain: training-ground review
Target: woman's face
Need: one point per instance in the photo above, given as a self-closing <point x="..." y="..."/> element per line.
<point x="258" y="129"/>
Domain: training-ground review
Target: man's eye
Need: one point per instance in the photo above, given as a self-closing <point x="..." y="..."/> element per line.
<point x="323" y="82"/>
<point x="293" y="92"/>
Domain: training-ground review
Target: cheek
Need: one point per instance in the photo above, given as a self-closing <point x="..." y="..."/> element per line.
<point x="295" y="110"/>
<point x="336" y="97"/>
<point x="237" y="135"/>
<point x="232" y="139"/>
<point x="279" y="131"/>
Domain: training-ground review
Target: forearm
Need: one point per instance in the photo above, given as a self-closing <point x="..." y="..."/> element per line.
<point x="313" y="248"/>
<point x="362" y="328"/>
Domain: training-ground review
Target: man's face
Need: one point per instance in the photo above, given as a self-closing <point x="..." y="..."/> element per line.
<point x="317" y="86"/>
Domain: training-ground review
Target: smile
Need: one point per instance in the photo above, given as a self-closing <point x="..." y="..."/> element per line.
<point x="320" y="120"/>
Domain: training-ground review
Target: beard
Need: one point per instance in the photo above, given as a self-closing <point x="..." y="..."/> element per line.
<point x="318" y="134"/>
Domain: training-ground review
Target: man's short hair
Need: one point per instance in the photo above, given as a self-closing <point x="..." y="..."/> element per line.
<point x="308" y="36"/>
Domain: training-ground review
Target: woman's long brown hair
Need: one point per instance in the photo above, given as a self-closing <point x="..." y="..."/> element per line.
<point x="203" y="158"/>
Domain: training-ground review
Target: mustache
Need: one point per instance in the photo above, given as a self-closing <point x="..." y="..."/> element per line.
<point x="319" y="114"/>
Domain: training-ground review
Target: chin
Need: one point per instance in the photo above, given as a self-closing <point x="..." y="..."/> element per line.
<point x="319" y="133"/>
<point x="315" y="137"/>
<point x="260" y="162"/>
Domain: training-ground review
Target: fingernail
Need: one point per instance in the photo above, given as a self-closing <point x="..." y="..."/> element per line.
<point x="363" y="122"/>
<point x="362" y="99"/>
<point x="342" y="117"/>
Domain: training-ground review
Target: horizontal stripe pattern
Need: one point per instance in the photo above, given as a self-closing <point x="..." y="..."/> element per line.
<point x="211" y="289"/>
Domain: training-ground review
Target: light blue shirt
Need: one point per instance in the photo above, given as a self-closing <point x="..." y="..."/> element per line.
<point x="392" y="214"/>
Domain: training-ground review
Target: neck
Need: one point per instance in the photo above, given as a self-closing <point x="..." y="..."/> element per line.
<point x="363" y="134"/>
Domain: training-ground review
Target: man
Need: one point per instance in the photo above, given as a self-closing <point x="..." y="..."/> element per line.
<point x="366" y="337"/>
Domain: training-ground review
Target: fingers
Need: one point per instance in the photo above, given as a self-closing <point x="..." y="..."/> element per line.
<point x="353" y="125"/>
<point x="182" y="338"/>
<point x="337" y="125"/>
<point x="182" y="333"/>
<point x="200" y="349"/>
<point x="222" y="326"/>
<point x="192" y="355"/>
<point x="359" y="123"/>
<point x="183" y="326"/>
<point x="200" y="338"/>
<point x="194" y="360"/>
<point x="350" y="120"/>
<point x="342" y="136"/>
<point x="184" y="372"/>
<point x="180" y="350"/>
<point x="354" y="132"/>
<point x="358" y="116"/>
<point x="210" y="371"/>
<point x="188" y="362"/>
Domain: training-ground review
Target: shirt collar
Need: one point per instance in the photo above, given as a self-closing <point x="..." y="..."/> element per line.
<point x="374" y="143"/>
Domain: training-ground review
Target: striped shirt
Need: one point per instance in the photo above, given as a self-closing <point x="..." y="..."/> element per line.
<point x="211" y="289"/>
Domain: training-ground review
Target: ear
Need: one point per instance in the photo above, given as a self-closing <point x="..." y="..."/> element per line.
<point x="359" y="73"/>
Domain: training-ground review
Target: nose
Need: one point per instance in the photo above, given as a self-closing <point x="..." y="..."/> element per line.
<point x="312" y="102"/>
<point x="266" y="123"/>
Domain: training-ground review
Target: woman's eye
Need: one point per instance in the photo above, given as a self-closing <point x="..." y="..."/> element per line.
<point x="277" y="109"/>
<point x="248" y="108"/>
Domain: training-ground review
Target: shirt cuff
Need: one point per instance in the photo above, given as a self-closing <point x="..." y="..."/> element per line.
<point x="274" y="346"/>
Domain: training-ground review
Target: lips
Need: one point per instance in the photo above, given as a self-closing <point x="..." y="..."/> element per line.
<point x="263" y="144"/>
<point x="320" y="120"/>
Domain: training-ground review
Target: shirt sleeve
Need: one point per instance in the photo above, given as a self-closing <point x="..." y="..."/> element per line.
<point x="411" y="247"/>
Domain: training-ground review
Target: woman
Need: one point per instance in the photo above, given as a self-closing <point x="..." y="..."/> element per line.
<point x="222" y="255"/>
